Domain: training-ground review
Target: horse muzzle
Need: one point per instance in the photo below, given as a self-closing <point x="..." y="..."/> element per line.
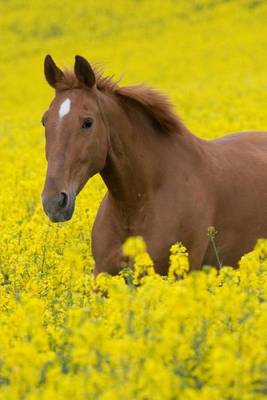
<point x="59" y="207"/>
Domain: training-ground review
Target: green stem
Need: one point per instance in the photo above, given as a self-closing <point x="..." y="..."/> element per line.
<point x="211" y="235"/>
<point x="216" y="252"/>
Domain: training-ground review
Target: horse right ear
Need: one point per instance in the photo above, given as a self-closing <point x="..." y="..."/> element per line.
<point x="52" y="73"/>
<point x="84" y="72"/>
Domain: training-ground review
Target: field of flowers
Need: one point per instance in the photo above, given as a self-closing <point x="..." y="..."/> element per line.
<point x="64" y="334"/>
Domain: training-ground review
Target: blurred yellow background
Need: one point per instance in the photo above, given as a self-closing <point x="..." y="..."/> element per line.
<point x="58" y="338"/>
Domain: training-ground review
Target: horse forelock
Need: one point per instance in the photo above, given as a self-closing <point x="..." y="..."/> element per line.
<point x="70" y="81"/>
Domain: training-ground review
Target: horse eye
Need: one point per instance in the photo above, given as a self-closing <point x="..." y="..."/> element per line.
<point x="42" y="121"/>
<point x="87" y="123"/>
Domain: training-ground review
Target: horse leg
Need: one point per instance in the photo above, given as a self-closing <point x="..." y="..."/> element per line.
<point x="108" y="261"/>
<point x="197" y="252"/>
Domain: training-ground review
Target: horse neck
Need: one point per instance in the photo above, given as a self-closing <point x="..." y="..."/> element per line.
<point x="139" y="157"/>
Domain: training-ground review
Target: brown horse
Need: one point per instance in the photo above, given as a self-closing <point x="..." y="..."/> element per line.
<point x="164" y="183"/>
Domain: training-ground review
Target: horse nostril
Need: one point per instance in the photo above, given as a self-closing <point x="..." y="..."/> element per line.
<point x="63" y="200"/>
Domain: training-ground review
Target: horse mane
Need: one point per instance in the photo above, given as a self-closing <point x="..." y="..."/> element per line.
<point x="155" y="104"/>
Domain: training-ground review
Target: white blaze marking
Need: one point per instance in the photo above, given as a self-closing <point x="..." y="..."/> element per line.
<point x="64" y="109"/>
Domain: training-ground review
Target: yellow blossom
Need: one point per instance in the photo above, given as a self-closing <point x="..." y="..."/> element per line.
<point x="65" y="334"/>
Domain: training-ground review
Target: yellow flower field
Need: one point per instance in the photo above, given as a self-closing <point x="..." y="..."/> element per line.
<point x="65" y="335"/>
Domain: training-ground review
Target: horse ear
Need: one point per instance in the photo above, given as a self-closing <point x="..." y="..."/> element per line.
<point x="52" y="73"/>
<point x="84" y="72"/>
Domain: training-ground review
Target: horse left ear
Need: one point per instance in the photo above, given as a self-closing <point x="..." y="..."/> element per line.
<point x="52" y="73"/>
<point x="84" y="72"/>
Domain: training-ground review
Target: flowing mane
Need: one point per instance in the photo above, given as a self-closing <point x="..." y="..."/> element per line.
<point x="156" y="104"/>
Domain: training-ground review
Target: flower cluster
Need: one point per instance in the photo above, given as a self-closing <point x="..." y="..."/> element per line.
<point x="179" y="264"/>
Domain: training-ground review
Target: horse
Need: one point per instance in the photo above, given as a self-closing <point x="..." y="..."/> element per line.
<point x="163" y="183"/>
